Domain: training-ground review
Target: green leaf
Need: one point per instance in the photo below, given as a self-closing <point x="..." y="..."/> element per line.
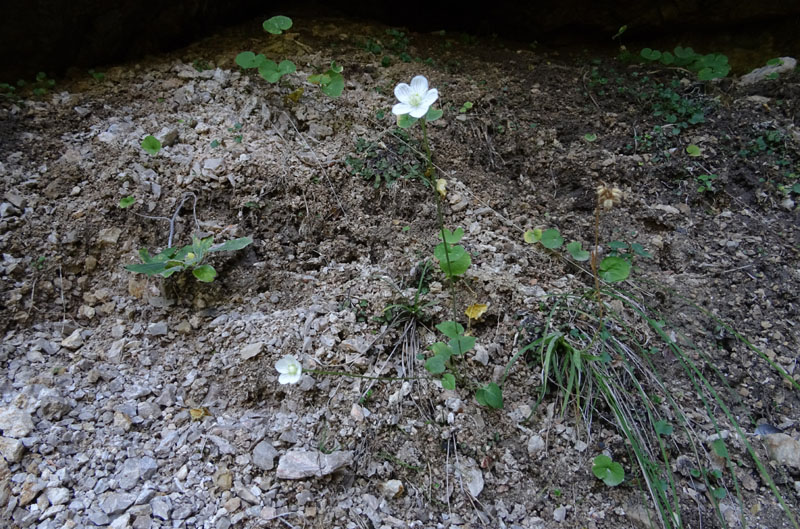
<point x="667" y="58"/>
<point x="796" y="188"/>
<point x="151" y="145"/>
<point x="148" y="269"/>
<point x="452" y="237"/>
<point x="232" y="245"/>
<point x="607" y="470"/>
<point x="614" y="269"/>
<point x="441" y="349"/>
<point x="718" y="445"/>
<point x="451" y="329"/>
<point x="663" y="427"/>
<point x="435" y="364"/>
<point x="459" y="260"/>
<point x="719" y="493"/>
<point x="577" y="253"/>
<point x="404" y="121"/>
<point x="650" y="54"/>
<point x="693" y="150"/>
<point x="269" y="71"/>
<point x="461" y="344"/>
<point x="126" y="202"/>
<point x="286" y="67"/>
<point x="774" y="62"/>
<point x="336" y="68"/>
<point x="532" y="236"/>
<point x="433" y="114"/>
<point x="590" y="137"/>
<point x="335" y="86"/>
<point x="205" y="273"/>
<point x="448" y="381"/>
<point x="277" y="25"/>
<point x="490" y="395"/>
<point x="246" y="59"/>
<point x="552" y="239"/>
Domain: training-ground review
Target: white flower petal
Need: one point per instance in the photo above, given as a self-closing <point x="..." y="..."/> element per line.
<point x="419" y="85"/>
<point x="430" y="97"/>
<point x="283" y="364"/>
<point x="401" y="108"/>
<point x="419" y="111"/>
<point x="402" y="92"/>
<point x="289" y="379"/>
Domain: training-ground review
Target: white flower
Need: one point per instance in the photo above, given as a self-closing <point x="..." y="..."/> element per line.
<point x="290" y="370"/>
<point x="415" y="99"/>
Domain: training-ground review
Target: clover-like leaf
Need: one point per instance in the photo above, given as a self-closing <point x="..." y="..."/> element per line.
<point x="334" y="86"/>
<point x="436" y="364"/>
<point x="246" y="59"/>
<point x="693" y="150"/>
<point x="151" y="145"/>
<point x="451" y="329"/>
<point x="607" y="470"/>
<point x="590" y="137"/>
<point x="433" y="114"/>
<point x="277" y="25"/>
<point x="552" y="239"/>
<point x="577" y="253"/>
<point x="461" y="344"/>
<point x="532" y="236"/>
<point x="205" y="273"/>
<point x="614" y="269"/>
<point x="448" y="381"/>
<point x="404" y="121"/>
<point x="126" y="202"/>
<point x="490" y="395"/>
<point x="452" y="237"/>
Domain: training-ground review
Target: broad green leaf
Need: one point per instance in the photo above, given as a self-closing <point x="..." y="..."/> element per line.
<point x="232" y="245"/>
<point x="552" y="239"/>
<point x="607" y="470"/>
<point x="335" y="85"/>
<point x="590" y="137"/>
<point x="126" y="202"/>
<point x="246" y="59"/>
<point x="718" y="445"/>
<point x="269" y="71"/>
<point x="151" y="145"/>
<point x="433" y="114"/>
<point x="205" y="273"/>
<point x="461" y="344"/>
<point x="663" y="427"/>
<point x="452" y="237"/>
<point x="169" y="271"/>
<point x="490" y="395"/>
<point x="435" y="364"/>
<point x="451" y="329"/>
<point x="286" y="67"/>
<point x="667" y="58"/>
<point x="404" y="121"/>
<point x="277" y="25"/>
<point x="441" y="349"/>
<point x="614" y="269"/>
<point x="719" y="493"/>
<point x="448" y="381"/>
<point x="693" y="150"/>
<point x="147" y="269"/>
<point x="650" y="54"/>
<point x="453" y="263"/>
<point x="532" y="236"/>
<point x="577" y="253"/>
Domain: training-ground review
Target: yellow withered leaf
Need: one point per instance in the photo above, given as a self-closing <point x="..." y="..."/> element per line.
<point x="441" y="187"/>
<point x="476" y="310"/>
<point x="198" y="413"/>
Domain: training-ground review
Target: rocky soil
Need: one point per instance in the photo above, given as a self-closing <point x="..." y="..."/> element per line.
<point x="140" y="402"/>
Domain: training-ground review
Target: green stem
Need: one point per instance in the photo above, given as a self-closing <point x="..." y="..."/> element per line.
<point x="346" y="374"/>
<point x="429" y="174"/>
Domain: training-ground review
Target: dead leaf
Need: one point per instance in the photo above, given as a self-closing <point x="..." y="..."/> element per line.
<point x="476" y="310"/>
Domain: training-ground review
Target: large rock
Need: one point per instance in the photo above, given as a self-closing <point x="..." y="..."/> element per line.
<point x="299" y="464"/>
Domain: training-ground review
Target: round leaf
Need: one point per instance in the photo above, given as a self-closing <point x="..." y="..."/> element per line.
<point x="609" y="471"/>
<point x="693" y="150"/>
<point x="205" y="273"/>
<point x="448" y="381"/>
<point x="490" y="395"/>
<point x="552" y="239"/>
<point x="532" y="236"/>
<point x="435" y="364"/>
<point x="246" y="59"/>
<point x="151" y="145"/>
<point x="574" y="249"/>
<point x="126" y="202"/>
<point x="433" y="114"/>
<point x="614" y="269"/>
<point x="277" y="25"/>
<point x="590" y="137"/>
